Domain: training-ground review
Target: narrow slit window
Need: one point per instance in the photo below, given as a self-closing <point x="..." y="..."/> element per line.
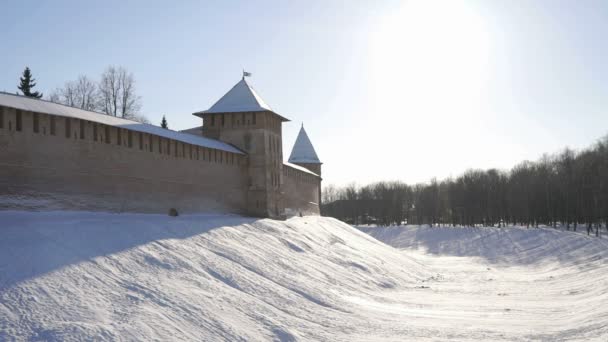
<point x="118" y="136"/>
<point x="107" y="134"/>
<point x="82" y="123"/>
<point x="1" y="117"/>
<point x="151" y="142"/>
<point x="68" y="127"/>
<point x="223" y="120"/>
<point x="141" y="141"/>
<point x="18" y="121"/>
<point x="36" y="122"/>
<point x="130" y="138"/>
<point x="254" y="118"/>
<point x="94" y="132"/>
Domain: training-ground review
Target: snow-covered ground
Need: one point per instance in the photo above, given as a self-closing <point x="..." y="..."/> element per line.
<point x="92" y="276"/>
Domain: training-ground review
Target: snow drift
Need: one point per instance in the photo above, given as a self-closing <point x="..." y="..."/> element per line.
<point x="92" y="276"/>
<point x="83" y="276"/>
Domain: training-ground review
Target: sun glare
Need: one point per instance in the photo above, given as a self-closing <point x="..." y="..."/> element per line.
<point x="429" y="63"/>
<point x="434" y="54"/>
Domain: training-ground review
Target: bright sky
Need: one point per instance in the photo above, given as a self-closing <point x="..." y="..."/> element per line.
<point x="392" y="90"/>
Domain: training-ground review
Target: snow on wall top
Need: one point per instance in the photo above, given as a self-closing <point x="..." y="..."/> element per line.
<point x="300" y="168"/>
<point x="42" y="106"/>
<point x="241" y="98"/>
<point x="303" y="151"/>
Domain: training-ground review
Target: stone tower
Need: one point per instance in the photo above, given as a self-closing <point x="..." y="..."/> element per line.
<point x="243" y="119"/>
<point x="304" y="154"/>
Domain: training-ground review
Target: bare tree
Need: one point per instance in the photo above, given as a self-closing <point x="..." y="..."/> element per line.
<point x="117" y="93"/>
<point x="65" y="95"/>
<point x="86" y="93"/>
<point x="81" y="93"/>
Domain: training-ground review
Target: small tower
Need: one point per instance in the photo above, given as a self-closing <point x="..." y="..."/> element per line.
<point x="304" y="154"/>
<point x="243" y="119"/>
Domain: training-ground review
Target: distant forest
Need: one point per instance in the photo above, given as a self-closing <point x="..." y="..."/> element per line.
<point x="569" y="189"/>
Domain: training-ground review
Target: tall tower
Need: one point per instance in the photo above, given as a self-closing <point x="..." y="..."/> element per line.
<point x="243" y="119"/>
<point x="304" y="154"/>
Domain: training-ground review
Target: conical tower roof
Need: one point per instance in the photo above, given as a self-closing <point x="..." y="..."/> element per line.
<point x="303" y="151"/>
<point x="241" y="98"/>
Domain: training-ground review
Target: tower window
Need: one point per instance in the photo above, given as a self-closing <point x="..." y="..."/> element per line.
<point x="19" y="121"/>
<point x="254" y="117"/>
<point x="223" y="120"/>
<point x="212" y="120"/>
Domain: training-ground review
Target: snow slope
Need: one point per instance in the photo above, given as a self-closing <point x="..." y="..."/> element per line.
<point x="522" y="284"/>
<point x="80" y="276"/>
<point x="93" y="276"/>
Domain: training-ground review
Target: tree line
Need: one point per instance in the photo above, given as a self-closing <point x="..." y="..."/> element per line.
<point x="567" y="189"/>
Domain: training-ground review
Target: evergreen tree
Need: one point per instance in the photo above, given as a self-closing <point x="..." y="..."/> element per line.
<point x="164" y="124"/>
<point x="28" y="83"/>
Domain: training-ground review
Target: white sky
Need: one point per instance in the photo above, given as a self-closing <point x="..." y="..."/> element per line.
<point x="395" y="90"/>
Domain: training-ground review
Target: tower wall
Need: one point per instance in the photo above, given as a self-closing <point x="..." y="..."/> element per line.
<point x="259" y="134"/>
<point x="301" y="192"/>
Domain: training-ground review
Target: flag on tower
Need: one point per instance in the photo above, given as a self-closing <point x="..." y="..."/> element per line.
<point x="246" y="74"/>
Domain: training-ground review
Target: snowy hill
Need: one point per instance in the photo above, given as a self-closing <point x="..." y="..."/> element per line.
<point x="90" y="276"/>
<point x="144" y="277"/>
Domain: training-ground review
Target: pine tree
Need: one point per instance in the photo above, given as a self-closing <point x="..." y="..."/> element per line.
<point x="164" y="124"/>
<point x="27" y="83"/>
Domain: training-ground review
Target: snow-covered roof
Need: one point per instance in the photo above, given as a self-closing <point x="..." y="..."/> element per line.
<point x="198" y="130"/>
<point x="300" y="168"/>
<point x="241" y="98"/>
<point x="303" y="151"/>
<point x="43" y="106"/>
